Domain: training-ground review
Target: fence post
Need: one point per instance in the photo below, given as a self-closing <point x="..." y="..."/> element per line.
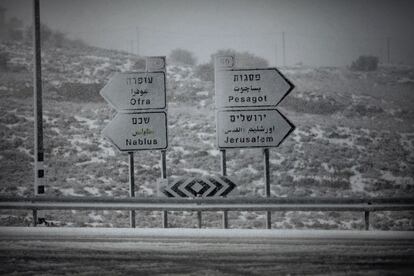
<point x="267" y="185"/>
<point x="224" y="173"/>
<point x="131" y="187"/>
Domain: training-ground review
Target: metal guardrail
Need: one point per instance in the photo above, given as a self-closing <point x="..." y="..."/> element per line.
<point x="365" y="205"/>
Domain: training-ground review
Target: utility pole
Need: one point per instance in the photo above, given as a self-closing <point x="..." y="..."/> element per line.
<point x="39" y="172"/>
<point x="132" y="46"/>
<point x="38" y="110"/>
<point x="276" y="53"/>
<point x="388" y="50"/>
<point x="137" y="32"/>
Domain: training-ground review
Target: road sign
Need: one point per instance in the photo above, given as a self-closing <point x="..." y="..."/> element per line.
<point x="208" y="186"/>
<point x="136" y="91"/>
<point x="250" y="88"/>
<point x="138" y="131"/>
<point x="252" y="128"/>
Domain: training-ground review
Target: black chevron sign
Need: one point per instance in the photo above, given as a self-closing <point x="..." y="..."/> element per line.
<point x="209" y="186"/>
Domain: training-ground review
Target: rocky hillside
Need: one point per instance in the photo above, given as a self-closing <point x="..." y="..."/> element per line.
<point x="354" y="137"/>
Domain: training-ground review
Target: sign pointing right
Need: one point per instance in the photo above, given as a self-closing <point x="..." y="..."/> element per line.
<point x="251" y="88"/>
<point x="252" y="128"/>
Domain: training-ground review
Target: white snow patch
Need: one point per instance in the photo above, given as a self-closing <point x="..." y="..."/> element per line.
<point x="328" y="168"/>
<point x="357" y="183"/>
<point x="277" y="161"/>
<point x="317" y="131"/>
<point x="21" y="190"/>
<point x="90" y="123"/>
<point x="181" y="150"/>
<point x="69" y="192"/>
<point x="399" y="180"/>
<point x="93" y="160"/>
<point x="24" y="150"/>
<point x="92" y="190"/>
<point x="195" y="170"/>
<point x="95" y="217"/>
<point x="146" y="191"/>
<point x="214" y="152"/>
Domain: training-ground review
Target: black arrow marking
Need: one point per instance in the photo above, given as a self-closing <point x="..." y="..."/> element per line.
<point x="217" y="184"/>
<point x="176" y="188"/>
<point x="229" y="188"/>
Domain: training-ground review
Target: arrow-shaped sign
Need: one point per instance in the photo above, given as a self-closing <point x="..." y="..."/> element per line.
<point x="211" y="186"/>
<point x="138" y="131"/>
<point x="250" y="88"/>
<point x="136" y="91"/>
<point x="252" y="128"/>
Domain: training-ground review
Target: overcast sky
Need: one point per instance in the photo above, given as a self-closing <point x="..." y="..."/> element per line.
<point x="316" y="32"/>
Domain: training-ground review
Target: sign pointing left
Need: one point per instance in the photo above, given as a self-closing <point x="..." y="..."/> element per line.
<point x="134" y="91"/>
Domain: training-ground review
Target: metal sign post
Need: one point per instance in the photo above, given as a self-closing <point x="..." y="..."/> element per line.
<point x="224" y="173"/>
<point x="267" y="184"/>
<point x="131" y="186"/>
<point x="157" y="64"/>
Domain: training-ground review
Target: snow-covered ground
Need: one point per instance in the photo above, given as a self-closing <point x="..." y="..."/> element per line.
<point x="354" y="138"/>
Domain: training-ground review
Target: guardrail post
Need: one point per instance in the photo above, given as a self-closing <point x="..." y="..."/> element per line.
<point x="199" y="218"/>
<point x="131" y="187"/>
<point x="366" y="217"/>
<point x="366" y="213"/>
<point x="224" y="173"/>
<point x="267" y="184"/>
<point x="34" y="217"/>
<point x="164" y="176"/>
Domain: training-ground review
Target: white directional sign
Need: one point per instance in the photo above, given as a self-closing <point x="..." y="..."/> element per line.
<point x="250" y="88"/>
<point x="136" y="91"/>
<point x="138" y="131"/>
<point x="207" y="186"/>
<point x="252" y="128"/>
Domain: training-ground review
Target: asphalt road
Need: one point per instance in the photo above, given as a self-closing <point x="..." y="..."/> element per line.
<point x="94" y="251"/>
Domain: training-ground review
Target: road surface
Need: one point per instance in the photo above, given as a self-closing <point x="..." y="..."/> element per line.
<point x="103" y="251"/>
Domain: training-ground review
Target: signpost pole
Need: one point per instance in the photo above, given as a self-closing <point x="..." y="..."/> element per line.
<point x="164" y="176"/>
<point x="224" y="173"/>
<point x="131" y="187"/>
<point x="267" y="184"/>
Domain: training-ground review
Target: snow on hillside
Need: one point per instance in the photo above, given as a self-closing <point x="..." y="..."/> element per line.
<point x="354" y="137"/>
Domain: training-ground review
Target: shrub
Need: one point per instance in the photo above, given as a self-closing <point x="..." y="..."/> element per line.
<point x="182" y="57"/>
<point x="4" y="58"/>
<point x="365" y="63"/>
<point x="205" y="71"/>
<point x="139" y="65"/>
